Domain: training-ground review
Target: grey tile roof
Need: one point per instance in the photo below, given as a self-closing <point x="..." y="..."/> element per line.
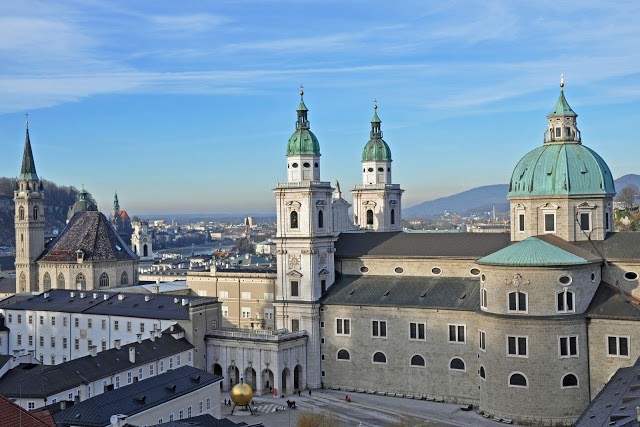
<point x="159" y="306"/>
<point x="620" y="246"/>
<point x="616" y="403"/>
<point x="40" y="381"/>
<point x="439" y="245"/>
<point x="91" y="233"/>
<point x="128" y="400"/>
<point x="449" y="293"/>
<point x="204" y="420"/>
<point x="609" y="303"/>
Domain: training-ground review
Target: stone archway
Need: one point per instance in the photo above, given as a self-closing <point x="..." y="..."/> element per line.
<point x="217" y="370"/>
<point x="284" y="380"/>
<point x="298" y="383"/>
<point x="250" y="377"/>
<point x="233" y="375"/>
<point x="267" y="380"/>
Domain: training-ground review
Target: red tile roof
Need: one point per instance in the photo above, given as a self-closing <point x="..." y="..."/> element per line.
<point x="15" y="416"/>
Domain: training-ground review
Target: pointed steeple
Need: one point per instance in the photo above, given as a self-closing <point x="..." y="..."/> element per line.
<point x="28" y="170"/>
<point x="376" y="131"/>
<point x="116" y="204"/>
<point x="303" y="142"/>
<point x="562" y="108"/>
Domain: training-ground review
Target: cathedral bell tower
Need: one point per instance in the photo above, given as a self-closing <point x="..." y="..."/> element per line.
<point x="377" y="202"/>
<point x="29" y="221"/>
<point x="304" y="241"/>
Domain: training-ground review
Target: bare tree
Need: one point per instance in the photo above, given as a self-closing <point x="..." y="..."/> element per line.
<point x="628" y="196"/>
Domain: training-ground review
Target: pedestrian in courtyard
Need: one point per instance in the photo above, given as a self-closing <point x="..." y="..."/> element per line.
<point x="309" y="392"/>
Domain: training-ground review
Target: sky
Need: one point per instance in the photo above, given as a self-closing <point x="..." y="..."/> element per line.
<point x="186" y="107"/>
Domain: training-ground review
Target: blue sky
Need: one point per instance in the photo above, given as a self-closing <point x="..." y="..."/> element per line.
<point x="186" y="107"/>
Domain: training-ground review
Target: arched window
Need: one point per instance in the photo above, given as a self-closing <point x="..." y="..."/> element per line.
<point x="320" y="219"/>
<point x="35" y="212"/>
<point x="518" y="301"/>
<point x="46" y="282"/>
<point x="417" y="360"/>
<point x="293" y="219"/>
<point x="135" y="249"/>
<point x="483" y="374"/>
<point x="145" y="250"/>
<point x="369" y="217"/>
<point x="379" y="357"/>
<point x="60" y="281"/>
<point x="104" y="280"/>
<point x="393" y="216"/>
<point x="22" y="282"/>
<point x="569" y="380"/>
<point x="518" y="380"/>
<point x="81" y="282"/>
<point x="343" y="355"/>
<point x="457" y="364"/>
<point x="565" y="301"/>
<point x="124" y="279"/>
<point x="21" y="213"/>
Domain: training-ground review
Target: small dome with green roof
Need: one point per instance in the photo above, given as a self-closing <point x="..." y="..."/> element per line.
<point x="303" y="142"/>
<point x="376" y="150"/>
<point x="562" y="166"/>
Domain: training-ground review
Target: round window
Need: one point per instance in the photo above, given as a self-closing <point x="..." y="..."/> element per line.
<point x="483" y="278"/>
<point x="364" y="269"/>
<point x="316" y="165"/>
<point x="295" y="165"/>
<point x="631" y="275"/>
<point x="364" y="170"/>
<point x="380" y="169"/>
<point x="593" y="277"/>
<point x="564" y="280"/>
<point x="306" y="165"/>
<point x="370" y="169"/>
<point x="388" y="169"/>
<point x="436" y="271"/>
<point x="399" y="270"/>
<point x="474" y="271"/>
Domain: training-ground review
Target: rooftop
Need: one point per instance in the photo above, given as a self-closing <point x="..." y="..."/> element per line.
<point x="40" y="381"/>
<point x="447" y="293"/>
<point x="15" y="416"/>
<point x="137" y="397"/>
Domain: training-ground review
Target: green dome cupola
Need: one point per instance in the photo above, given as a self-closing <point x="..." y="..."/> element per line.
<point x="562" y="166"/>
<point x="303" y="142"/>
<point x="376" y="150"/>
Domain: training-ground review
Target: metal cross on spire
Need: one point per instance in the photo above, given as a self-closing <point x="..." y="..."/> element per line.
<point x="301" y="90"/>
<point x="27" y="120"/>
<point x="561" y="81"/>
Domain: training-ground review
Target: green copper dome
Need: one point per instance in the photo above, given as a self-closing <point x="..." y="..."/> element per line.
<point x="376" y="150"/>
<point x="562" y="108"/>
<point x="303" y="142"/>
<point x="561" y="170"/>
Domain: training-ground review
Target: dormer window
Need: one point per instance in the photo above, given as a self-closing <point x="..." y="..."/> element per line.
<point x="549" y="222"/>
<point x="79" y="256"/>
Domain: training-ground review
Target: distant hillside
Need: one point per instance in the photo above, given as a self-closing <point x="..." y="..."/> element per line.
<point x="483" y="199"/>
<point x="57" y="201"/>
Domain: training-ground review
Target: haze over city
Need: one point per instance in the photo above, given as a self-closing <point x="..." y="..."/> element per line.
<point x="187" y="107"/>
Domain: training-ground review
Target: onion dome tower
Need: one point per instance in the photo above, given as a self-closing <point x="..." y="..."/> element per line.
<point x="563" y="187"/>
<point x="377" y="202"/>
<point x="305" y="243"/>
<point x="29" y="220"/>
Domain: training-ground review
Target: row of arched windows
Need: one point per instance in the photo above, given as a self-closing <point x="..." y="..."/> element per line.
<point x="81" y="282"/>
<point x="392" y="216"/>
<point x="21" y="213"/>
<point x="380" y="357"/>
<point x="293" y="219"/>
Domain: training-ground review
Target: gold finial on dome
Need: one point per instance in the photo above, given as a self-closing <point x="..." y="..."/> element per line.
<point x="301" y="90"/>
<point x="561" y="81"/>
<point x="375" y="104"/>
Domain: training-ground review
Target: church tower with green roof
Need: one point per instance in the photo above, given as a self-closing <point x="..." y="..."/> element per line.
<point x="377" y="202"/>
<point x="29" y="221"/>
<point x="562" y="187"/>
<point x="305" y="246"/>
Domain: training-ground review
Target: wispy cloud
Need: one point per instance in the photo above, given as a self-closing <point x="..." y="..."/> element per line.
<point x="187" y="24"/>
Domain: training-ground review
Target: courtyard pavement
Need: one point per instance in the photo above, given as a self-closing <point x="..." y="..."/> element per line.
<point x="364" y="410"/>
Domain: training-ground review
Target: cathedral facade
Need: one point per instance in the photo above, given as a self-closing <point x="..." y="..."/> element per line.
<point x="528" y="326"/>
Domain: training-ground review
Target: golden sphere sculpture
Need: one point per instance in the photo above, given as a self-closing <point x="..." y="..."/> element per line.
<point x="241" y="394"/>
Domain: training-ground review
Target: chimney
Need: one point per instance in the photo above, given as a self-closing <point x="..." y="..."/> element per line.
<point x="116" y="344"/>
<point x="139" y="338"/>
<point x="63" y="405"/>
<point x="152" y="336"/>
<point x="81" y="294"/>
<point x="95" y="296"/>
<point x="185" y="301"/>
<point x="93" y="350"/>
<point x="132" y="354"/>
<point x="46" y="295"/>
<point x="176" y="300"/>
<point x="72" y="294"/>
<point x="105" y="297"/>
<point x="120" y="297"/>
<point x="155" y="289"/>
<point x="147" y="298"/>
